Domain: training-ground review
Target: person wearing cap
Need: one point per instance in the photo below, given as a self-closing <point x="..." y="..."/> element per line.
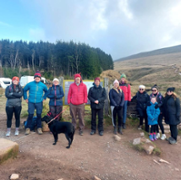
<point x="127" y="96"/>
<point x="55" y="94"/>
<point x="13" y="93"/>
<point x="35" y="101"/>
<point x="97" y="96"/>
<point x="160" y="100"/>
<point x="116" y="97"/>
<point x="171" y="111"/>
<point x="77" y="98"/>
<point x="143" y="100"/>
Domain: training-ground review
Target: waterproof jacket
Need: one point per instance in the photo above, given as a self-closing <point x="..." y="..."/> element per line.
<point x="97" y="93"/>
<point x="126" y="90"/>
<point x="14" y="95"/>
<point x="159" y="99"/>
<point x="116" y="98"/>
<point x="152" y="114"/>
<point x="55" y="93"/>
<point x="77" y="94"/>
<point x="35" y="92"/>
<point x="142" y="100"/>
<point x="171" y="110"/>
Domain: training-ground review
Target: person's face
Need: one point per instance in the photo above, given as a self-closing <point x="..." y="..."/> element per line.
<point x="141" y="90"/>
<point x="37" y="79"/>
<point x="169" y="93"/>
<point x="15" y="82"/>
<point x="77" y="80"/>
<point x="55" y="83"/>
<point x="97" y="82"/>
<point x="153" y="100"/>
<point x="154" y="91"/>
<point x="123" y="79"/>
<point x="116" y="85"/>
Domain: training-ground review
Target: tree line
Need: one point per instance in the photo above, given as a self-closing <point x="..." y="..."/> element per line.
<point x="53" y="59"/>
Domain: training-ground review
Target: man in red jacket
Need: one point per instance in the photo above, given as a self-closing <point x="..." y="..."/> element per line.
<point x="77" y="98"/>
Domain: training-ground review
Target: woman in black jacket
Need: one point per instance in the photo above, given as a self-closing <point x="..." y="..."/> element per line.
<point x="172" y="113"/>
<point x="13" y="93"/>
<point x="116" y="97"/>
<point x="143" y="100"/>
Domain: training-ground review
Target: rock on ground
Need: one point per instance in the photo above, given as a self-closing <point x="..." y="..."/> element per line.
<point x="117" y="138"/>
<point x="14" y="176"/>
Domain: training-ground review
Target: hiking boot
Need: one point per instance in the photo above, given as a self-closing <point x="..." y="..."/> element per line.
<point x="115" y="130"/>
<point x="39" y="130"/>
<point x="81" y="133"/>
<point x="124" y="126"/>
<point x="8" y="133"/>
<point x="27" y="132"/>
<point x="168" y="139"/>
<point x="101" y="133"/>
<point x="154" y="137"/>
<point x="172" y="141"/>
<point x="163" y="137"/>
<point x="92" y="132"/>
<point x="16" y="132"/>
<point x="140" y="127"/>
<point x="151" y="137"/>
<point x="158" y="135"/>
<point x="120" y="130"/>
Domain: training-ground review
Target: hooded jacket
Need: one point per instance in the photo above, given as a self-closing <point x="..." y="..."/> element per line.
<point x="159" y="99"/>
<point x="152" y="114"/>
<point x="116" y="97"/>
<point x="126" y="90"/>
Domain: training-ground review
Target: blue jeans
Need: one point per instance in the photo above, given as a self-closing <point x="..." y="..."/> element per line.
<point x="125" y="111"/>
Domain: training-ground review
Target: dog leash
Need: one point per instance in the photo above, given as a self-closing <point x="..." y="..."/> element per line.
<point x="58" y="115"/>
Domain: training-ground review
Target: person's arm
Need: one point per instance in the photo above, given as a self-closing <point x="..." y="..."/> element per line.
<point x="111" y="98"/>
<point x="18" y="94"/>
<point x="49" y="95"/>
<point x="45" y="91"/>
<point x="177" y="102"/>
<point x="26" y="88"/>
<point x="122" y="99"/>
<point x="61" y="95"/>
<point x="7" y="94"/>
<point x="90" y="96"/>
<point x="85" y="94"/>
<point x="103" y="97"/>
<point x="157" y="113"/>
<point x="129" y="92"/>
<point x="160" y="102"/>
<point x="149" y="113"/>
<point x="69" y="95"/>
<point x="134" y="97"/>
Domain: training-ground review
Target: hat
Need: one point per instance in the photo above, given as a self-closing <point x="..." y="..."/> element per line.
<point x="15" y="78"/>
<point x="142" y="87"/>
<point x="171" y="89"/>
<point x="37" y="74"/>
<point x="116" y="81"/>
<point x="77" y="76"/>
<point x="97" y="78"/>
<point x="123" y="76"/>
<point x="55" y="79"/>
<point x="155" y="86"/>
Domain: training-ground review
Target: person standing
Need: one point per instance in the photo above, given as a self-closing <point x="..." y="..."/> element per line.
<point x="35" y="101"/>
<point x="143" y="100"/>
<point x="77" y="98"/>
<point x="55" y="93"/>
<point x="171" y="109"/>
<point x="13" y="93"/>
<point x="160" y="100"/>
<point x="116" y="97"/>
<point x="127" y="96"/>
<point x="97" y="96"/>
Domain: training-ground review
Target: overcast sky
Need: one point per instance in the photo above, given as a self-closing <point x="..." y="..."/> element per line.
<point x="119" y="27"/>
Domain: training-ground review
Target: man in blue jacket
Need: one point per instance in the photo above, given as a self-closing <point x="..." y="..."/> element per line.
<point x="35" y="101"/>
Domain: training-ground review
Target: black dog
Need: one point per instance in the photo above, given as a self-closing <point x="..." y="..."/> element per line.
<point x="57" y="127"/>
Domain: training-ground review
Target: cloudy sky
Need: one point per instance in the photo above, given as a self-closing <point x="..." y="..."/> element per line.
<point x="119" y="27"/>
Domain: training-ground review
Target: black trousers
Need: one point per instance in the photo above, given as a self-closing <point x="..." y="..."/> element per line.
<point x="17" y="111"/>
<point x="143" y="114"/>
<point x="100" y="119"/>
<point x="55" y="110"/>
<point x="154" y="128"/>
<point x="117" y="112"/>
<point x="174" y="131"/>
<point x="160" y="118"/>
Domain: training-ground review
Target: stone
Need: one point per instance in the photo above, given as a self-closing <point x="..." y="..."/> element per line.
<point x="136" y="141"/>
<point x="148" y="149"/>
<point x="96" y="178"/>
<point x="117" y="138"/>
<point x="142" y="134"/>
<point x="60" y="179"/>
<point x="14" y="176"/>
<point x="45" y="127"/>
<point x="8" y="149"/>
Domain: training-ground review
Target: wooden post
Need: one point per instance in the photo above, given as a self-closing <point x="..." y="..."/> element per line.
<point x="106" y="104"/>
<point x="61" y="79"/>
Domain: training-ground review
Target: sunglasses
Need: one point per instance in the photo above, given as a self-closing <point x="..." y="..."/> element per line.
<point x="154" y="90"/>
<point x="141" y="89"/>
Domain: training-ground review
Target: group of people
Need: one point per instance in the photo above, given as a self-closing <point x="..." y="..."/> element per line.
<point x="151" y="107"/>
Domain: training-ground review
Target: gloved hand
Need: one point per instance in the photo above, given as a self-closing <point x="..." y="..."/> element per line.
<point x="156" y="106"/>
<point x="11" y="93"/>
<point x="128" y="103"/>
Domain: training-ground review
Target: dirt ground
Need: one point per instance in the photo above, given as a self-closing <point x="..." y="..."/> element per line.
<point x="88" y="156"/>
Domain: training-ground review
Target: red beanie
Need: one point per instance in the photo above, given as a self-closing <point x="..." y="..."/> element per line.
<point x="97" y="78"/>
<point x="37" y="74"/>
<point x="15" y="78"/>
<point x="77" y="75"/>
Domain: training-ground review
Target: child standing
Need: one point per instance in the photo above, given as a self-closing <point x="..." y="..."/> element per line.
<point x="153" y="114"/>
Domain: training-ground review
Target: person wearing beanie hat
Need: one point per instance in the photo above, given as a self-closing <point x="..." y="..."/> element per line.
<point x="160" y="100"/>
<point x="126" y="88"/>
<point x="37" y="94"/>
<point x="97" y="96"/>
<point x="77" y="98"/>
<point x="143" y="100"/>
<point x="13" y="93"/>
<point x="116" y="97"/>
<point x="171" y="112"/>
<point x="55" y="94"/>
